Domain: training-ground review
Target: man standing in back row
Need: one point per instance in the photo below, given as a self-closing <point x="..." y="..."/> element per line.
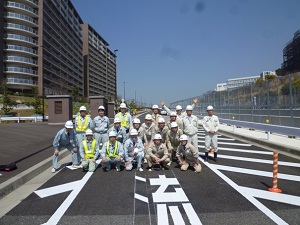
<point x="211" y="126"/>
<point x="190" y="126"/>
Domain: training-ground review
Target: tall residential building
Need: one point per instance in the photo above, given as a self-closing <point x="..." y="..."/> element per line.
<point x="291" y="54"/>
<point x="99" y="65"/>
<point x="43" y="47"/>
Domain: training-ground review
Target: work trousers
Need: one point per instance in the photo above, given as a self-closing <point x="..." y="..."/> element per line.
<point x="151" y="161"/>
<point x="211" y="140"/>
<point x="75" y="156"/>
<point x="137" y="158"/>
<point x="89" y="165"/>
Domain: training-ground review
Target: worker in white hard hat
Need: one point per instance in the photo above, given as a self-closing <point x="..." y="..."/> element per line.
<point x="187" y="155"/>
<point x="155" y="115"/>
<point x="82" y="123"/>
<point x="101" y="126"/>
<point x="112" y="152"/>
<point x="89" y="152"/>
<point x="120" y="131"/>
<point x="178" y="108"/>
<point x="173" y="141"/>
<point x="211" y="126"/>
<point x="66" y="138"/>
<point x="157" y="153"/>
<point x="124" y="117"/>
<point x="134" y="151"/>
<point x="149" y="132"/>
<point x="190" y="126"/>
<point x="162" y="129"/>
<point x="175" y="118"/>
<point x="137" y="125"/>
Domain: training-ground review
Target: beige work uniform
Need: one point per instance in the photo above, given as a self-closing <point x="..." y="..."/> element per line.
<point x="211" y="123"/>
<point x="190" y="154"/>
<point x="190" y="128"/>
<point x="178" y="121"/>
<point x="163" y="132"/>
<point x="159" y="151"/>
<point x="155" y="118"/>
<point x="173" y="140"/>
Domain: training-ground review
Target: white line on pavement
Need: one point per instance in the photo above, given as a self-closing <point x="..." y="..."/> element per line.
<point x="226" y="143"/>
<point x="248" y="196"/>
<point x="190" y="212"/>
<point x="140" y="178"/>
<point x="258" y="172"/>
<point x="242" y="150"/>
<point x="141" y="197"/>
<point x="223" y="139"/>
<point x="162" y="214"/>
<point x="176" y="215"/>
<point x="57" y="189"/>
<point x="277" y="197"/>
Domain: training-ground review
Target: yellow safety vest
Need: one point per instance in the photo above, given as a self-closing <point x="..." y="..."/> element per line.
<point x="124" y="121"/>
<point x="89" y="153"/>
<point x="82" y="127"/>
<point x="114" y="155"/>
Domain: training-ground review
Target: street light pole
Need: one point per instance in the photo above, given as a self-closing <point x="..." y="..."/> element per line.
<point x="124" y="91"/>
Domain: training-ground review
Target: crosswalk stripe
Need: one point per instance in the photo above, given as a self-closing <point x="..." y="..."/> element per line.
<point x="291" y="164"/>
<point x="284" y="198"/>
<point x="226" y="143"/>
<point x="241" y="150"/>
<point x="257" y="172"/>
<point x="223" y="139"/>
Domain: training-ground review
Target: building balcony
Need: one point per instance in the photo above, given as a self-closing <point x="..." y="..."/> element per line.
<point x="19" y="48"/>
<point x="22" y="7"/>
<point x="20" y="81"/>
<point x="21" y="38"/>
<point x="20" y="70"/>
<point x="20" y="59"/>
<point x="19" y="27"/>
<point x="10" y="15"/>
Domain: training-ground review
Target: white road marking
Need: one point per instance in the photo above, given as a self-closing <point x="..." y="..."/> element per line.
<point x="141" y="197"/>
<point x="223" y="139"/>
<point x="258" y="172"/>
<point x="190" y="212"/>
<point x="278" y="197"/>
<point x="162" y="214"/>
<point x="256" y="160"/>
<point x="247" y="195"/>
<point x="176" y="215"/>
<point x="140" y="178"/>
<point x="242" y="150"/>
<point x="226" y="143"/>
<point x="54" y="219"/>
<point x="72" y="168"/>
<point x="57" y="189"/>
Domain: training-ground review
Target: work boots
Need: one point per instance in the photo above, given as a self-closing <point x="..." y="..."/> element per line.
<point x="215" y="156"/>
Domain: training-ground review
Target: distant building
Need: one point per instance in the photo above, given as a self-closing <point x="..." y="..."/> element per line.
<point x="239" y="82"/>
<point x="221" y="87"/>
<point x="291" y="55"/>
<point x="264" y="73"/>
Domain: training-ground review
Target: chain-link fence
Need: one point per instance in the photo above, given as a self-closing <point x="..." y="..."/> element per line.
<point x="276" y="100"/>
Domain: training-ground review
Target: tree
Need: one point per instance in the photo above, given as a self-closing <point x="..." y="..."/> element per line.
<point x="270" y="77"/>
<point x="285" y="90"/>
<point x="8" y="103"/>
<point x="37" y="104"/>
<point x="280" y="72"/>
<point x="75" y="92"/>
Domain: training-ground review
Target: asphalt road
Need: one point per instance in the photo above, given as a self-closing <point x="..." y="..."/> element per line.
<point x="232" y="191"/>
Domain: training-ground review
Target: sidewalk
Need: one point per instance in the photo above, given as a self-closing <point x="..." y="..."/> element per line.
<point x="277" y="142"/>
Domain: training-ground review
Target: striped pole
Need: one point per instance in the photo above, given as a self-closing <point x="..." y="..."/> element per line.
<point x="275" y="174"/>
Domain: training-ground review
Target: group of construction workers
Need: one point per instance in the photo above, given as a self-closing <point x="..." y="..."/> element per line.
<point x="155" y="142"/>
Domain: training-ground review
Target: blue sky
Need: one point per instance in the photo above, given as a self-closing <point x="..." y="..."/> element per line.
<point x="175" y="49"/>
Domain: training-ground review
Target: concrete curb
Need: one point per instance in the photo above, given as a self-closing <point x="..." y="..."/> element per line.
<point x="264" y="143"/>
<point x="20" y="179"/>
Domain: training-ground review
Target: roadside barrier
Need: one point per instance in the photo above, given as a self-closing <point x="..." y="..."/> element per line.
<point x="275" y="174"/>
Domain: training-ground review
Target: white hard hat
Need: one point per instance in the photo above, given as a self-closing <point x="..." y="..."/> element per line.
<point x="148" y="117"/>
<point x="189" y="107"/>
<point x="101" y="107"/>
<point x="173" y="114"/>
<point x="210" y="108"/>
<point x="161" y="120"/>
<point x="123" y="106"/>
<point x="155" y="107"/>
<point x="183" y="137"/>
<point x="88" y="132"/>
<point x="82" y="108"/>
<point x="112" y="134"/>
<point x="136" y="120"/>
<point x="174" y="124"/>
<point x="69" y="124"/>
<point x="157" y="137"/>
<point x="117" y="120"/>
<point x="133" y="132"/>
<point x="178" y="107"/>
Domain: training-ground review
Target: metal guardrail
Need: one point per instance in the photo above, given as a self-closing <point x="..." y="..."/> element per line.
<point x="23" y="118"/>
<point x="289" y="131"/>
